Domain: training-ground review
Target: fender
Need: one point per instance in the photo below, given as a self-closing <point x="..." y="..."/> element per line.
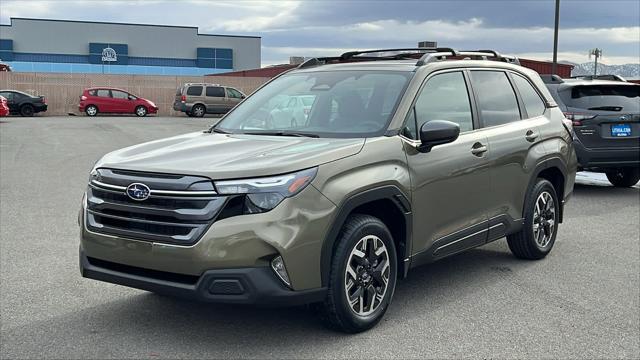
<point x="389" y="192"/>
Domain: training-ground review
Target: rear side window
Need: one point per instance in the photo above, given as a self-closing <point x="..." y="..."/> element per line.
<point x="443" y="97"/>
<point x="119" y="94"/>
<point x="497" y="102"/>
<point x="92" y="92"/>
<point x="532" y="101"/>
<point x="103" y="93"/>
<point x="604" y="97"/>
<point x="194" y="90"/>
<point x="215" y="91"/>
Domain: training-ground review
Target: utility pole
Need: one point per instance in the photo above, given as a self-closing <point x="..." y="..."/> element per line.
<point x="597" y="53"/>
<point x="554" y="66"/>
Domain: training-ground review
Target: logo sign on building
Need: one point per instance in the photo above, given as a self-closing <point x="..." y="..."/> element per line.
<point x="109" y="55"/>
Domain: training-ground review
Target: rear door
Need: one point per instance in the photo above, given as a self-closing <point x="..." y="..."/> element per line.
<point x="512" y="133"/>
<point x="215" y="99"/>
<point x="103" y="101"/>
<point x="604" y="115"/>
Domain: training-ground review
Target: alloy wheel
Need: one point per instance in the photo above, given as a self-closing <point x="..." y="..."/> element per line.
<point x="367" y="275"/>
<point x="544" y="219"/>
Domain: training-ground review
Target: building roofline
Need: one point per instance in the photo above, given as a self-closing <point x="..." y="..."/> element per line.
<point x="131" y="24"/>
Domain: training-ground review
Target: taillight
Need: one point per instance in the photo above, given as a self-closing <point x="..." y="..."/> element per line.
<point x="577" y="118"/>
<point x="44" y="100"/>
<point x="183" y="98"/>
<point x="83" y="98"/>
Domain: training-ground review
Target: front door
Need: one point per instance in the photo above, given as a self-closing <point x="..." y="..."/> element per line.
<point x="450" y="184"/>
<point x="121" y="102"/>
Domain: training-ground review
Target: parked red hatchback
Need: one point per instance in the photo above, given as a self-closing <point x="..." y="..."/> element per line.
<point x="114" y="101"/>
<point x="4" y="106"/>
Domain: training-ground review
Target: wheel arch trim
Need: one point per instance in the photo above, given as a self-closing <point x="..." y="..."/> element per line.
<point x="388" y="192"/>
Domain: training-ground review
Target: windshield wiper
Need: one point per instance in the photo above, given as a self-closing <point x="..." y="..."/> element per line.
<point x="219" y="131"/>
<point x="282" y="133"/>
<point x="607" y="108"/>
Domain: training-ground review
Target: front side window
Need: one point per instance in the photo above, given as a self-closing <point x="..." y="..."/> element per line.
<point x="335" y="104"/>
<point x="443" y="97"/>
<point x="119" y="94"/>
<point x="215" y="91"/>
<point x="532" y="101"/>
<point x="233" y="93"/>
<point x="194" y="90"/>
<point x="497" y="101"/>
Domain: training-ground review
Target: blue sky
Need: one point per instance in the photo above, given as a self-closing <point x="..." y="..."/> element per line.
<point x="314" y="28"/>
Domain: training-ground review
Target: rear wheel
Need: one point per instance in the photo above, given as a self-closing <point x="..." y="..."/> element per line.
<point x="624" y="177"/>
<point x="141" y="111"/>
<point x="198" y="110"/>
<point x="536" y="238"/>
<point x="362" y="277"/>
<point x="26" y="110"/>
<point x="91" y="110"/>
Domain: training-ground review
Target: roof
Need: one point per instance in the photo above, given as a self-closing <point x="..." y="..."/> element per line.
<point x="130" y="24"/>
<point x="582" y="82"/>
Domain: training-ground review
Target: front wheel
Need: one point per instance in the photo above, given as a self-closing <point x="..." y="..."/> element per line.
<point x="624" y="177"/>
<point x="536" y="238"/>
<point x="141" y="111"/>
<point x="362" y="276"/>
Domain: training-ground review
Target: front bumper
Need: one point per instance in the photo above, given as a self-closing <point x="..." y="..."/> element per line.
<point x="607" y="158"/>
<point x="257" y="285"/>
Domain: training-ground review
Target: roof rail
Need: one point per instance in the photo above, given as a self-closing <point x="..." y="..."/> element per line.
<point x="477" y="54"/>
<point x="428" y="55"/>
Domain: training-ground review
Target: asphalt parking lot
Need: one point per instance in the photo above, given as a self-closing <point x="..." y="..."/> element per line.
<point x="582" y="301"/>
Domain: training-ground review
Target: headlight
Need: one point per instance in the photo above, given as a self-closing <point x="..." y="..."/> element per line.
<point x="264" y="194"/>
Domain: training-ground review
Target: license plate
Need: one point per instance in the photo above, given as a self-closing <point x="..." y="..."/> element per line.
<point x="621" y="130"/>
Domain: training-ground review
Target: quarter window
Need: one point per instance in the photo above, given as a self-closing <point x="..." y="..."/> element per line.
<point x="532" y="101"/>
<point x="215" y="91"/>
<point x="496" y="100"/>
<point x="194" y="90"/>
<point x="444" y="97"/>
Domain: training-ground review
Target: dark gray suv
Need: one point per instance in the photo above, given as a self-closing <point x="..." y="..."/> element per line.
<point x="606" y="121"/>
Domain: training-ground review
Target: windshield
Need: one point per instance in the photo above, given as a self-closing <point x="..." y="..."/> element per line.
<point x="322" y="103"/>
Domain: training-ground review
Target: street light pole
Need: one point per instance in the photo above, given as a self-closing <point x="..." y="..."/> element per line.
<point x="554" y="66"/>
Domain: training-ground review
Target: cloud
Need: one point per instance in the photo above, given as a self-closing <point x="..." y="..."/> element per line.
<point x="316" y="28"/>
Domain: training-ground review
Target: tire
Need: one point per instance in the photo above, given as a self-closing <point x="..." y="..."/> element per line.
<point x="624" y="177"/>
<point x="336" y="311"/>
<point x="530" y="243"/>
<point x="91" y="110"/>
<point x="26" y="110"/>
<point x="141" y="111"/>
<point x="198" y="110"/>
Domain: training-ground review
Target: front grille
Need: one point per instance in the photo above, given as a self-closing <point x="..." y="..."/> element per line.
<point x="179" y="209"/>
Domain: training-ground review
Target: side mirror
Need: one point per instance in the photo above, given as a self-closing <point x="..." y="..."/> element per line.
<point x="437" y="132"/>
<point x="242" y="96"/>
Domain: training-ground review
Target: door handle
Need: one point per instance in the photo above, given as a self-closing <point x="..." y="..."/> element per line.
<point x="531" y="136"/>
<point x="478" y="149"/>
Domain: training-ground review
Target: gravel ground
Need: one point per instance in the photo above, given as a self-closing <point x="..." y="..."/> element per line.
<point x="582" y="301"/>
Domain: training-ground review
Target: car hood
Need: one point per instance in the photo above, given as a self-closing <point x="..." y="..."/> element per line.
<point x="226" y="156"/>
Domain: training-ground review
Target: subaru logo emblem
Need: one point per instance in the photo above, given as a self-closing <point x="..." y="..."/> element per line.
<point x="138" y="191"/>
<point x="624" y="118"/>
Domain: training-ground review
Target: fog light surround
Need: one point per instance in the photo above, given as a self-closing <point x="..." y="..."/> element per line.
<point x="277" y="265"/>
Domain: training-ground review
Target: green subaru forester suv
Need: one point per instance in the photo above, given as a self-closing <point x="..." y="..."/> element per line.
<point x="404" y="157"/>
